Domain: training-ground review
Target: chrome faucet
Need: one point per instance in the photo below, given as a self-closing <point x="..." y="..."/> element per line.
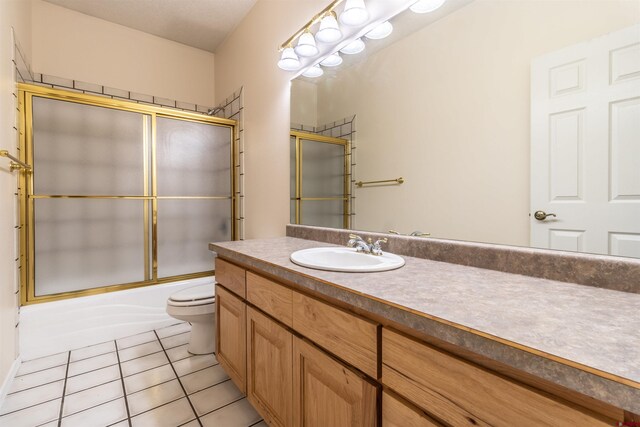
<point x="370" y="247"/>
<point x="413" y="234"/>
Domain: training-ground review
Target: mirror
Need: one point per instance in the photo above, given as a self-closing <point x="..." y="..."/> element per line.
<point x="490" y="111"/>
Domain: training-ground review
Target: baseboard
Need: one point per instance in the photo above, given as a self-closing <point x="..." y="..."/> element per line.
<point x="8" y="379"/>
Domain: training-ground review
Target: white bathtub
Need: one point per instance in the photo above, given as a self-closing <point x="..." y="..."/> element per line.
<point x="58" y="326"/>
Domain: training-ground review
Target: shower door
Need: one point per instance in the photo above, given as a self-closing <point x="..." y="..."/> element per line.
<point x="120" y="195"/>
<point x="320" y="180"/>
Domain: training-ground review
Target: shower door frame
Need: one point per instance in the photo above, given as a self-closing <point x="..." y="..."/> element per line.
<point x="346" y="198"/>
<point x="26" y="93"/>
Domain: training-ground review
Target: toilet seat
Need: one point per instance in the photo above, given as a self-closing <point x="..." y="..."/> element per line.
<point x="193" y="296"/>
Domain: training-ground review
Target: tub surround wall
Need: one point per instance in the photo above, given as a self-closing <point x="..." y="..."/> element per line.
<point x="575" y="343"/>
<point x="613" y="273"/>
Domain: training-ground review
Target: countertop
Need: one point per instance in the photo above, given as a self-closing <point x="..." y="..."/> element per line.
<point x="581" y="337"/>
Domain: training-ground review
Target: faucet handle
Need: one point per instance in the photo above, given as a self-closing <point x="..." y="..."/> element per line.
<point x="376" y="248"/>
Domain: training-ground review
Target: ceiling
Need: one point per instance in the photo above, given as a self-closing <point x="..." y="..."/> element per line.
<point x="203" y="24"/>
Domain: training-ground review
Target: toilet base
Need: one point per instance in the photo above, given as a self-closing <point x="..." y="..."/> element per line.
<point x="202" y="339"/>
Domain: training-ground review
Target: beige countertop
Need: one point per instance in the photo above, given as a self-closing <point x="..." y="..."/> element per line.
<point x="582" y="337"/>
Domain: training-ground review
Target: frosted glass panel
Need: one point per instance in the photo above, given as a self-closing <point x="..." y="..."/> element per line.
<point x="87" y="150"/>
<point x="185" y="229"/>
<point x="193" y="159"/>
<point x="88" y="243"/>
<point x="323" y="213"/>
<point x="322" y="169"/>
<point x="292" y="212"/>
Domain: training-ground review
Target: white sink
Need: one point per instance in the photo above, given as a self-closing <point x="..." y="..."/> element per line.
<point x="345" y="259"/>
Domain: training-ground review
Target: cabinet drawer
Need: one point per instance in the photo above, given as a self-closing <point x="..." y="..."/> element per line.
<point x="231" y="277"/>
<point x="396" y="413"/>
<point x="351" y="338"/>
<point x="270" y="297"/>
<point x="461" y="393"/>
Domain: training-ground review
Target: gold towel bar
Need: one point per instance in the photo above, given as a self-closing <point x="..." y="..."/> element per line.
<point x="16" y="164"/>
<point x="396" y="181"/>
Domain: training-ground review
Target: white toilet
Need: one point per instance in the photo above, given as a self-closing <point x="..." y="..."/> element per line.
<point x="196" y="305"/>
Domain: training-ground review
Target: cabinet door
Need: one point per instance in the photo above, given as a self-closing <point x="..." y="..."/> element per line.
<point x="396" y="413"/>
<point x="269" y="369"/>
<point x="328" y="393"/>
<point x="231" y="341"/>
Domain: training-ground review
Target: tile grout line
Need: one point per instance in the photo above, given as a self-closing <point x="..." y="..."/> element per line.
<point x="64" y="389"/>
<point x="179" y="382"/>
<point x="124" y="390"/>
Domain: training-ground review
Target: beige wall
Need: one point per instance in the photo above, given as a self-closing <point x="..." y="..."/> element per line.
<point x="76" y="46"/>
<point x="306" y="103"/>
<point x="248" y="59"/>
<point x="447" y="108"/>
<point x="16" y="14"/>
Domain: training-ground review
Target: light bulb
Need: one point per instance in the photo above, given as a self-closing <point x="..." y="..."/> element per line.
<point x="289" y="60"/>
<point x="329" y="31"/>
<point x="332" y="60"/>
<point x="354" y="47"/>
<point x="426" y="6"/>
<point x="314" y="71"/>
<point x="306" y="45"/>
<point x="354" y="13"/>
<point x="381" y="31"/>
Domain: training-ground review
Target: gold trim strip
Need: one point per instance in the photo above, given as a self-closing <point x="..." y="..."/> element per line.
<point x="74" y="196"/>
<point x="195" y="197"/>
<point x="114" y="288"/>
<point x="126" y="105"/>
<point x="559" y="359"/>
<point x="319" y="199"/>
<point x="318" y="138"/>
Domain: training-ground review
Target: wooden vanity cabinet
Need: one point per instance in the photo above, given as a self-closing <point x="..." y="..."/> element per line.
<point x="399" y="413"/>
<point x="231" y="347"/>
<point x="270" y="369"/>
<point x="328" y="393"/>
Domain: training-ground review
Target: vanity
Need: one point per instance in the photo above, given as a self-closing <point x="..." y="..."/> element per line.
<point x="430" y="344"/>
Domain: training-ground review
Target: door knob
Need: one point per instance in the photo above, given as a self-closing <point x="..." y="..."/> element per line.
<point x="542" y="215"/>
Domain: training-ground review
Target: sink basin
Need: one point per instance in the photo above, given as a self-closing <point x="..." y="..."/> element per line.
<point x="345" y="259"/>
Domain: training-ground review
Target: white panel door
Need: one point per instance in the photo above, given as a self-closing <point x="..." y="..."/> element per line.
<point x="585" y="146"/>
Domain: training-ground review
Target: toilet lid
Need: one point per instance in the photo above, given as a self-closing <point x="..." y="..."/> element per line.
<point x="195" y="293"/>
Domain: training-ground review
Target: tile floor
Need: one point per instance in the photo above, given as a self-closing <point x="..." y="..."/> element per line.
<point x="147" y="379"/>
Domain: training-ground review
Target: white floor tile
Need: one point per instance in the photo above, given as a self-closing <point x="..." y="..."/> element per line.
<point x="200" y="380"/>
<point x="238" y="414"/>
<point x="38" y="378"/>
<point x="124" y="423"/>
<point x="193" y="423"/>
<point x="169" y="415"/>
<point x="139" y="350"/>
<point x="194" y="363"/>
<point x="136" y="340"/>
<point x="32" y="396"/>
<point x="92" y="363"/>
<point x="43" y="363"/>
<point x="92" y="379"/>
<point x="103" y="415"/>
<point x="153" y="397"/>
<point x="143" y="363"/>
<point x="148" y="378"/>
<point x="215" y="397"/>
<point x="175" y="340"/>
<point x="178" y="353"/>
<point x="174" y="330"/>
<point x="33" y="416"/>
<point x="94" y="350"/>
<point x="92" y="397"/>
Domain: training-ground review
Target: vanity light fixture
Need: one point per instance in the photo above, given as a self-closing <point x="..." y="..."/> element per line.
<point x="381" y="31"/>
<point x="332" y="60"/>
<point x="306" y="45"/>
<point x="354" y="13"/>
<point x="426" y="6"/>
<point x="354" y="47"/>
<point x="329" y="31"/>
<point x="289" y="61"/>
<point x="315" y="71"/>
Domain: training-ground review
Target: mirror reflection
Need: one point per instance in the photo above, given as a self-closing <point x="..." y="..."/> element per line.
<point x="512" y="122"/>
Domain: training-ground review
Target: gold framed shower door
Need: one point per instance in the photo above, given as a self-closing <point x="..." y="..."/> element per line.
<point x="299" y="170"/>
<point x="26" y="93"/>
